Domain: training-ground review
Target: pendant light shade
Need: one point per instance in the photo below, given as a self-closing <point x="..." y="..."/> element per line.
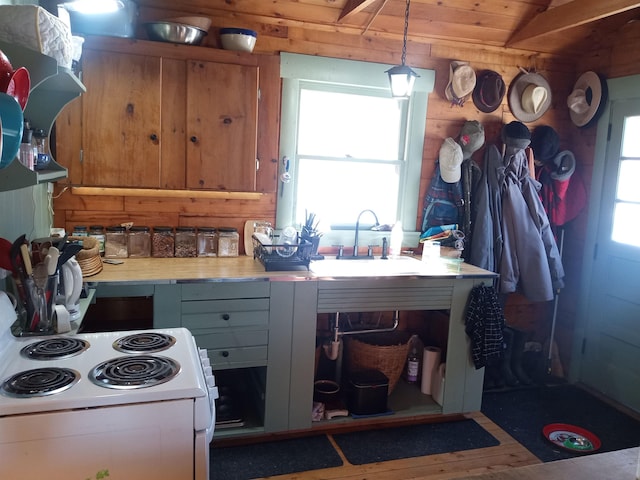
<point x="401" y="77"/>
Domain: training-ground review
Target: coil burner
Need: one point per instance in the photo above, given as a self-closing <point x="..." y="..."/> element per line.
<point x="135" y="371"/>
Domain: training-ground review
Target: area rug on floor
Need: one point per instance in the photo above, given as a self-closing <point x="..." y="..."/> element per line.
<point x="412" y="441"/>
<point x="273" y="458"/>
<point x="523" y="414"/>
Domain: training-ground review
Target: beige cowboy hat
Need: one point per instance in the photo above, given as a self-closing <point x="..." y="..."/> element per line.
<point x="462" y="81"/>
<point x="529" y="96"/>
<point x="587" y="100"/>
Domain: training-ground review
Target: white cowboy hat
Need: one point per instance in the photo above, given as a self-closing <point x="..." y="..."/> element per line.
<point x="587" y="99"/>
<point x="529" y="96"/>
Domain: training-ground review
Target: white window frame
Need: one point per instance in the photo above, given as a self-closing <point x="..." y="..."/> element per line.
<point x="297" y="70"/>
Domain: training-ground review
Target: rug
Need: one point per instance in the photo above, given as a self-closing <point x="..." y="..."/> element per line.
<point x="413" y="441"/>
<point x="523" y="414"/>
<point x="273" y="458"/>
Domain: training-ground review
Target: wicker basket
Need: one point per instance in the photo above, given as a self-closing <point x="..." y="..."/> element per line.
<point x="386" y="352"/>
<point x="89" y="257"/>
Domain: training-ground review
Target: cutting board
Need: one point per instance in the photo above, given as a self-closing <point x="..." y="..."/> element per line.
<point x="248" y="232"/>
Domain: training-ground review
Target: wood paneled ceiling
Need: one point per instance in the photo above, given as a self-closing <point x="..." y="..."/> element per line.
<point x="547" y="26"/>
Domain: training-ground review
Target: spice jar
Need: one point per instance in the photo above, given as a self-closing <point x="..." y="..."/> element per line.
<point x="228" y="240"/>
<point x="139" y="242"/>
<point x="163" y="242"/>
<point x="115" y="244"/>
<point x="207" y="242"/>
<point x="185" y="242"/>
<point x="97" y="232"/>
<point x="79" y="231"/>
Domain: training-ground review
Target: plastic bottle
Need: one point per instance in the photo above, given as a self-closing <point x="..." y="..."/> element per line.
<point x="413" y="366"/>
<point x="396" y="240"/>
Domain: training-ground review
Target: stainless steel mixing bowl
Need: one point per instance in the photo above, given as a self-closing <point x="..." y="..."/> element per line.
<point x="174" y="33"/>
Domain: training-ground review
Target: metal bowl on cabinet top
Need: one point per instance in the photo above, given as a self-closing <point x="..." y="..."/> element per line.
<point x="174" y="33"/>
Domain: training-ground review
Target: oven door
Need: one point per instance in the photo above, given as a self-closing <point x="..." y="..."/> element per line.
<point x="148" y="440"/>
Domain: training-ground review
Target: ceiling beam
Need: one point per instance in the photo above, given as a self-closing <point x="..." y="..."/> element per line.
<point x="569" y="15"/>
<point x="354" y="6"/>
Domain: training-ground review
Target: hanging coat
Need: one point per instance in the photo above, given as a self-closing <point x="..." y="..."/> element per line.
<point x="530" y="257"/>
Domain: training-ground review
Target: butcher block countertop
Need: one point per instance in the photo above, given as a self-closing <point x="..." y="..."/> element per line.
<point x="171" y="270"/>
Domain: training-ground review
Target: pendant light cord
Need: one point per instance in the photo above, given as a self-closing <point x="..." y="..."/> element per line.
<point x="406" y="28"/>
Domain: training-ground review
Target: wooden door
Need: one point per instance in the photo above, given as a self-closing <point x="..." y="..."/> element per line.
<point x="611" y="350"/>
<point x="222" y="126"/>
<point x="121" y="120"/>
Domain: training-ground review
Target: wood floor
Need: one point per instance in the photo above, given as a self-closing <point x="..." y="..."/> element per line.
<point x="508" y="454"/>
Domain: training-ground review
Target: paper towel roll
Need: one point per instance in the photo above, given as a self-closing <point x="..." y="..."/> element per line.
<point x="430" y="362"/>
<point x="63" y="319"/>
<point x="437" y="384"/>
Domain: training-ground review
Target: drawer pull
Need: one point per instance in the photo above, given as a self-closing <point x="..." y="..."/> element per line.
<point x="225" y="354"/>
<point x="226" y="316"/>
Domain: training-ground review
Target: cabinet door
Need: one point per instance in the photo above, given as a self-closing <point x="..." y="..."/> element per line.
<point x="121" y="120"/>
<point x="222" y="126"/>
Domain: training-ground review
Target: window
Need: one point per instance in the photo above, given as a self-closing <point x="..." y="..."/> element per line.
<point x="627" y="201"/>
<point x="348" y="146"/>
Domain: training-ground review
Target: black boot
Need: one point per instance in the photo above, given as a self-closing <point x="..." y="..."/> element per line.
<point x="517" y="356"/>
<point x="505" y="368"/>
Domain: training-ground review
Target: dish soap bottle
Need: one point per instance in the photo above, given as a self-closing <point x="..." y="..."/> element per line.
<point x="396" y="240"/>
<point x="413" y="366"/>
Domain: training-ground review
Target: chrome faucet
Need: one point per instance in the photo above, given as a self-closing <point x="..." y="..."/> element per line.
<point x="355" y="241"/>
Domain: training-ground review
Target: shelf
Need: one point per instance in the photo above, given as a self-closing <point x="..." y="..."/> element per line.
<point x="52" y="87"/>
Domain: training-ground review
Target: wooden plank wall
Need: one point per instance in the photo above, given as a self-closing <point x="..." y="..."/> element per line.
<point x="442" y="120"/>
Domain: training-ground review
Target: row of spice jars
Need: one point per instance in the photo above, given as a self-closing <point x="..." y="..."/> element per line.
<point x="164" y="242"/>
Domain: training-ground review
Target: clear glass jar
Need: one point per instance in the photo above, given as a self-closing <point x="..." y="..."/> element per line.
<point x="139" y="242"/>
<point x="207" y="242"/>
<point x="228" y="240"/>
<point x="97" y="232"/>
<point x="186" y="245"/>
<point x="79" y="231"/>
<point x="115" y="244"/>
<point x="163" y="242"/>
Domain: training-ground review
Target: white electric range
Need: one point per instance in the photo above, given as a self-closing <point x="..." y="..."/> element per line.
<point x="134" y="404"/>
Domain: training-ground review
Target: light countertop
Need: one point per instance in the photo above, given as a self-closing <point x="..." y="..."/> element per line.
<point x="171" y="270"/>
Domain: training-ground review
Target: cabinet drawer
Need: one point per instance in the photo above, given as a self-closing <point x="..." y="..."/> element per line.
<point x="222" y="290"/>
<point x="225" y="313"/>
<point x="232" y="338"/>
<point x="238" y="357"/>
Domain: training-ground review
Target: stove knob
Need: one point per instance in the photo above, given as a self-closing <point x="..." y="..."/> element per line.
<point x="211" y="381"/>
<point x="205" y="362"/>
<point x="203" y="353"/>
<point x="208" y="371"/>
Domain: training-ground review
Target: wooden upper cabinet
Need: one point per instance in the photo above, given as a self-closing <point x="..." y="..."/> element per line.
<point x="174" y="117"/>
<point x="121" y="120"/>
<point x="222" y="126"/>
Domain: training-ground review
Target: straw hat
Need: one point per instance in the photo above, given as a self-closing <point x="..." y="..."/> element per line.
<point x="529" y="96"/>
<point x="587" y="100"/>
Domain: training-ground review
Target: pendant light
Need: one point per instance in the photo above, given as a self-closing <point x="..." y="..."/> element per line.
<point x="401" y="77"/>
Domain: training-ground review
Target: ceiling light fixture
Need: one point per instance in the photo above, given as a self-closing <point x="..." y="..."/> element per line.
<point x="93" y="6"/>
<point x="401" y="77"/>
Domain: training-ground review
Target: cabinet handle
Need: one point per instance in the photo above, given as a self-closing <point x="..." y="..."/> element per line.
<point x="225" y="354"/>
<point x="194" y="139"/>
<point x="227" y="121"/>
<point x="226" y="316"/>
<point x="153" y="137"/>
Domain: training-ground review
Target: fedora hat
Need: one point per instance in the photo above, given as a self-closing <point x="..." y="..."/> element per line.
<point x="489" y="91"/>
<point x="529" y="96"/>
<point x="462" y="80"/>
<point x="587" y="100"/>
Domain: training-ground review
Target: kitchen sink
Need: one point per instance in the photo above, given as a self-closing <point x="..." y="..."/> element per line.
<point x="346" y="267"/>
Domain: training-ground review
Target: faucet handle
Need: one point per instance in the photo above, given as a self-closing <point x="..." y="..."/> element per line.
<point x="340" y="250"/>
<point x="385" y="248"/>
<point x="370" y="249"/>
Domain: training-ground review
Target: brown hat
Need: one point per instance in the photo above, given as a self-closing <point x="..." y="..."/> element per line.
<point x="529" y="96"/>
<point x="489" y="91"/>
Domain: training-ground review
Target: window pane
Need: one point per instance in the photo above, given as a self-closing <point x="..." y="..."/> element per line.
<point x="628" y="181"/>
<point x="337" y="192"/>
<point x="334" y="124"/>
<point x="631" y="138"/>
<point x="625" y="227"/>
